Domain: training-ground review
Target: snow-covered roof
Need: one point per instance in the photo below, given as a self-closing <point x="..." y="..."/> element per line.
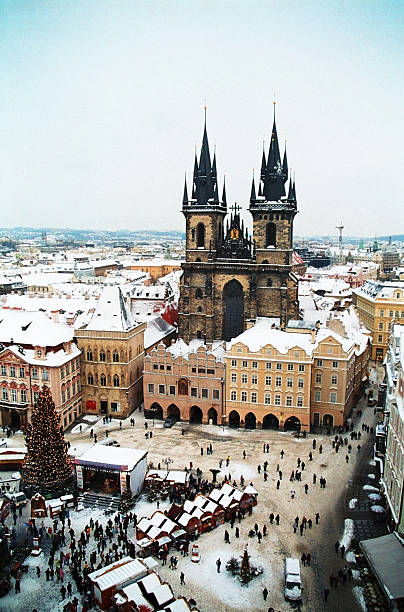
<point x="262" y="334"/>
<point x="119" y="572"/>
<point x="52" y="358"/>
<point x="151" y="582"/>
<point x="111" y="313"/>
<point x="133" y="593"/>
<point x="156" y="330"/>
<point x="32" y="328"/>
<point x="182" y="349"/>
<point x="112" y="456"/>
<point x="377" y="289"/>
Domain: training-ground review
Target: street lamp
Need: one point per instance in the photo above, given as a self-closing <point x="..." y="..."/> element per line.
<point x="168" y="462"/>
<point x="153" y="411"/>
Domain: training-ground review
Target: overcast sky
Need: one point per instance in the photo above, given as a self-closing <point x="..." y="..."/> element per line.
<point x="102" y="105"/>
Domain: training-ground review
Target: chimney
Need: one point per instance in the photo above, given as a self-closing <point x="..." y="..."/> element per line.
<point x="55" y="316"/>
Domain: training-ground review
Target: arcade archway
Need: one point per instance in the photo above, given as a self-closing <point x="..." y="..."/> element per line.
<point x="270" y="421"/>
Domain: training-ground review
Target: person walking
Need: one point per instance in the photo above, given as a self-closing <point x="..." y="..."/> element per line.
<point x="336" y="546"/>
<point x="277" y="519"/>
<point x="63" y="591"/>
<point x="306" y="488"/>
<point x="278" y="484"/>
<point x="342" y="549"/>
<point x="282" y="453"/>
<point x="218" y="564"/>
<point x="182" y="578"/>
<point x="265" y="593"/>
<point x="326" y="594"/>
<point x="226" y="537"/>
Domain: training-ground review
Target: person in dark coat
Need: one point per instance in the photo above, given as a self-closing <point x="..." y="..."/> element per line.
<point x="265" y="593"/>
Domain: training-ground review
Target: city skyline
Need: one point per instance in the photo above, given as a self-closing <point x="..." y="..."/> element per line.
<point x="103" y="107"/>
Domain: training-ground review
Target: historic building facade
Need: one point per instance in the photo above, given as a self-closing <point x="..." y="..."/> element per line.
<point x="36" y="352"/>
<point x="112" y="346"/>
<point x="229" y="277"/>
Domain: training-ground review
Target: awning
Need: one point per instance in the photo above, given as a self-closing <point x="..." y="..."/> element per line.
<point x="386" y="558"/>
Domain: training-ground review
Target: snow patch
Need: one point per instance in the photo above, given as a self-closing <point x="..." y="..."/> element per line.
<point x="372" y="462"/>
<point x="371" y="476"/>
<point x="356" y="575"/>
<point x="358" y="592"/>
<point x="79" y="428"/>
<point x="350" y="557"/>
<point x="348" y="533"/>
<point x="369" y="488"/>
<point x="352" y="503"/>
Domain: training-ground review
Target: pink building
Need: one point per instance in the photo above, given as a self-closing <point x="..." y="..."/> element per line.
<point x="185" y="381"/>
<point x="35" y="351"/>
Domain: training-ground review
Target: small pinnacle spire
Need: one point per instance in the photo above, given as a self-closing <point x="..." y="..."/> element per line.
<point x="185" y="197"/>
<point x="253" y="195"/>
<point x="224" y="199"/>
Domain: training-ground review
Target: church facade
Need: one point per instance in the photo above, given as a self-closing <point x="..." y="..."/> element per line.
<point x="229" y="277"/>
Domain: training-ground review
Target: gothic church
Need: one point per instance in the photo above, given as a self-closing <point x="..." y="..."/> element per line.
<point x="231" y="278"/>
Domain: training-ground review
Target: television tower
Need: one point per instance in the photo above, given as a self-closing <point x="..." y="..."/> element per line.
<point x="340" y="227"/>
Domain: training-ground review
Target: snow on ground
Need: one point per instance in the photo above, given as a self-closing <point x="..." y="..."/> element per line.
<point x="369" y="488"/>
<point x="350" y="557"/>
<point x="348" y="533"/>
<point x="372" y="462"/>
<point x="79" y="428"/>
<point x="91" y="418"/>
<point x="371" y="476"/>
<point x="79" y="449"/>
<point x="358" y="592"/>
<point x="352" y="503"/>
<point x="236" y="470"/>
<point x="356" y="575"/>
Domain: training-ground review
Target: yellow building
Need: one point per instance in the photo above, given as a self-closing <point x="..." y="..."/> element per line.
<point x="379" y="304"/>
<point x="112" y="346"/>
<point x="268" y="375"/>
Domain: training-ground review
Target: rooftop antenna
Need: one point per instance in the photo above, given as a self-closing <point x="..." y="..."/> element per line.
<point x="340" y="227"/>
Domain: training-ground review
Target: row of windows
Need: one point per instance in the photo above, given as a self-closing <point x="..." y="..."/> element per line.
<point x="12" y="372"/>
<point x="70" y="391"/>
<point x="334" y="378"/>
<point x="268" y="380"/>
<point x="320" y="363"/>
<point x="333" y="397"/>
<point x="103" y="380"/>
<point x="13" y="396"/>
<point x="393" y="313"/>
<point x="65" y="371"/>
<point x="194" y="391"/>
<point x="268" y="365"/>
<point x="267" y="398"/>
<point x="102" y="355"/>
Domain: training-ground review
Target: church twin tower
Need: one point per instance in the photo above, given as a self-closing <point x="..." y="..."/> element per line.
<point x="230" y="278"/>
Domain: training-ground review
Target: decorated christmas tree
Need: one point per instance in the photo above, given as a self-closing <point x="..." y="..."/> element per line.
<point x="47" y="468"/>
<point x="245" y="571"/>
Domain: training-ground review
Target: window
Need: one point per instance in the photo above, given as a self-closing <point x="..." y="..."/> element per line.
<point x="198" y="293"/>
<point x="279" y="366"/>
<point x="102" y="355"/>
<point x="267" y="399"/>
<point x="205" y="393"/>
<point x="216" y="394"/>
<point x="62" y="372"/>
<point x="268" y="380"/>
<point x="335" y="364"/>
<point x="233" y="396"/>
<point x="155" y="366"/>
<point x="382" y="313"/>
<point x="162" y="389"/>
<point x="300" y="383"/>
<point x="300" y="401"/>
<point x="115" y="407"/>
<point x="244" y="363"/>
<point x="277" y="400"/>
<point x="90" y="379"/>
<point x="200" y="236"/>
<point x="194" y="392"/>
<point x="3" y="370"/>
<point x="244" y="379"/>
<point x="12" y="371"/>
<point x="201" y="371"/>
<point x="381" y="326"/>
<point x="319" y="378"/>
<point x="14" y="395"/>
<point x="89" y="355"/>
<point x="268" y="365"/>
<point x="334" y="379"/>
<point x="36" y="393"/>
<point x="278" y="381"/>
<point x="115" y="356"/>
<point x="74" y="388"/>
<point x="390" y="314"/>
<point x="34" y="372"/>
<point x="21" y="373"/>
<point x="150" y="388"/>
<point x="291" y="367"/>
<point x="317" y="396"/>
<point x="23" y="396"/>
<point x="116" y="380"/>
<point x="254" y="379"/>
<point x="254" y="365"/>
<point x="289" y="382"/>
<point x="172" y="389"/>
<point x="103" y="380"/>
<point x="380" y="339"/>
<point x="397" y="313"/>
<point x="67" y="369"/>
<point x="5" y="394"/>
<point x="210" y="371"/>
<point x="68" y="392"/>
<point x="301" y="367"/>
<point x="233" y="377"/>
<point x="320" y="363"/>
<point x="254" y="397"/>
<point x="45" y="375"/>
<point x="333" y="398"/>
<point x="233" y="363"/>
<point x="288" y="400"/>
<point x="244" y="396"/>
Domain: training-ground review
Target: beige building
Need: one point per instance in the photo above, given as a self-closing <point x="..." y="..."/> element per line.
<point x="379" y="304"/>
<point x="185" y="381"/>
<point x="112" y="346"/>
<point x="393" y="477"/>
<point x="34" y="352"/>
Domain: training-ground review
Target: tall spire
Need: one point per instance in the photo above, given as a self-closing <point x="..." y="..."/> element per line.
<point x="285" y="163"/>
<point x="253" y="195"/>
<point x="185" y="197"/>
<point x="224" y="197"/>
<point x="276" y="172"/>
<point x="263" y="162"/>
<point x="214" y="171"/>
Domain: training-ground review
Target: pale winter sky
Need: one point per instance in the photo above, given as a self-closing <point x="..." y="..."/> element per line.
<point x="102" y="105"/>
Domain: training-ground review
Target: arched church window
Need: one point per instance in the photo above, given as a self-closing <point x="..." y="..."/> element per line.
<point x="199" y="308"/>
<point x="199" y="294"/>
<point x="103" y="380"/>
<point x="90" y="379"/>
<point x="271" y="235"/>
<point x="269" y="282"/>
<point x="198" y="259"/>
<point x="200" y="235"/>
<point x="102" y="355"/>
<point x="199" y="334"/>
